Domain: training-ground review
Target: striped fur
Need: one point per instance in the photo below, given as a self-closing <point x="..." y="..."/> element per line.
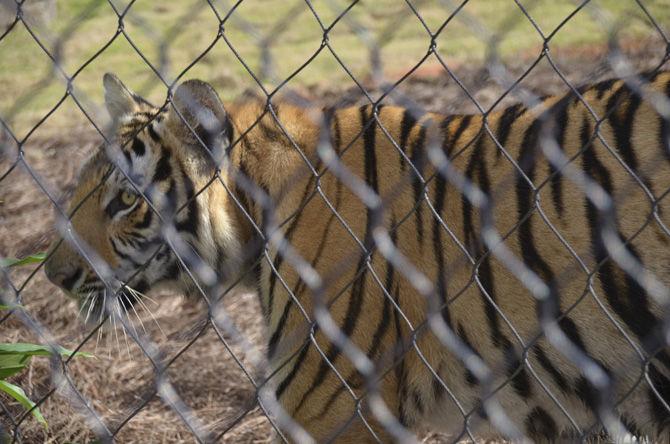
<point x="604" y="311"/>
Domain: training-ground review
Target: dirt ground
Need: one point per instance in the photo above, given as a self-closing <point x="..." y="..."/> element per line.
<point x="206" y="376"/>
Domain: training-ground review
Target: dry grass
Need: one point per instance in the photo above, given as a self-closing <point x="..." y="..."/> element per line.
<point x="205" y="375"/>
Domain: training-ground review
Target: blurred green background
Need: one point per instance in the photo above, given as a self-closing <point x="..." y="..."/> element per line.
<point x="171" y="35"/>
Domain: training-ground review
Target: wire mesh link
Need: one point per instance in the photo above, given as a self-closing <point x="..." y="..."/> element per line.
<point x="260" y="46"/>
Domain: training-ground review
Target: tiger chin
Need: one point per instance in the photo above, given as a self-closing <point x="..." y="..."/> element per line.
<point x="179" y="186"/>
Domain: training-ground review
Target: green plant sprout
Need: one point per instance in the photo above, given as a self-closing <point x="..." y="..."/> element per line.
<point x="15" y="357"/>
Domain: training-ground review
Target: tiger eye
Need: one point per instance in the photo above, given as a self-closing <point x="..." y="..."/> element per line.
<point x="128" y="198"/>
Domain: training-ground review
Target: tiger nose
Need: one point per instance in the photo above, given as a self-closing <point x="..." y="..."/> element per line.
<point x="65" y="276"/>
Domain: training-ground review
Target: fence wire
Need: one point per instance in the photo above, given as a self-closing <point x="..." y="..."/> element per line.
<point x="273" y="249"/>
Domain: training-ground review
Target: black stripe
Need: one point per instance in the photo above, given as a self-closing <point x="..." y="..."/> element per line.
<point x="516" y="370"/>
<point x="383" y="324"/>
<point x="588" y="394"/>
<point x="400" y="348"/>
<point x="438" y="388"/>
<point x="469" y="376"/>
<point x="279" y="259"/>
<point x="254" y="247"/>
<point x="664" y="130"/>
<point x="127" y="240"/>
<point x="505" y="123"/>
<point x="408" y="122"/>
<point x="633" y="306"/>
<point x="446" y="139"/>
<point x="133" y="238"/>
<point x="662" y="385"/>
<point x="190" y="224"/>
<point x="418" y="404"/>
<point x="632" y="427"/>
<point x="171" y="271"/>
<point x="381" y="329"/>
<point x="270" y="132"/>
<point x="418" y="159"/>
<point x="126" y="154"/>
<point x="153" y="134"/>
<point x="123" y="255"/>
<point x="141" y="286"/>
<point x="452" y="141"/>
<point x="163" y="168"/>
<point x="358" y="287"/>
<point x="142" y="243"/>
<point x="558" y="377"/>
<point x="72" y="279"/>
<point x="277" y="263"/>
<point x="622" y="126"/>
<point x="370" y="162"/>
<point x="146" y="220"/>
<point x="570" y="329"/>
<point x="286" y="382"/>
<point x="337" y="133"/>
<point x="602" y="87"/>
<point x="138" y="147"/>
<point x="476" y="165"/>
<point x="401" y="375"/>
<point x="540" y="425"/>
<point x="438" y="247"/>
<point x="147" y="114"/>
<point x="525" y="198"/>
<point x="560" y="123"/>
<point x="118" y="252"/>
<point x="276" y="335"/>
<point x="171" y="197"/>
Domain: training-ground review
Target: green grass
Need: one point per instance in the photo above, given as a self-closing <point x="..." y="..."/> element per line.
<point x="187" y="27"/>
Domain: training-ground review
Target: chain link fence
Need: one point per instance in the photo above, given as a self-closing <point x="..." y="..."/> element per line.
<point x="175" y="370"/>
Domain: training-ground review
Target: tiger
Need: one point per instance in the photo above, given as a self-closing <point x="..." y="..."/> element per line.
<point x="465" y="259"/>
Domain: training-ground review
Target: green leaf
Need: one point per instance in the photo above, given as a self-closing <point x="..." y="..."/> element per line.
<point x="14" y="262"/>
<point x="15" y="357"/>
<point x="17" y="393"/>
<point x="11" y="364"/>
<point x="21" y="348"/>
<point x="8" y="370"/>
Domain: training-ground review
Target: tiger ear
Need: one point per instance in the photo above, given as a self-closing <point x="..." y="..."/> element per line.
<point x="119" y="100"/>
<point x="198" y="111"/>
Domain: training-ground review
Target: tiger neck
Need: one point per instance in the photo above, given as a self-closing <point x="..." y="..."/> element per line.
<point x="271" y="161"/>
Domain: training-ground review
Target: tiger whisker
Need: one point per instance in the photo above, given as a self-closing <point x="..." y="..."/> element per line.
<point x="100" y="318"/>
<point x="108" y="335"/>
<point x="150" y="299"/>
<point x="139" y="297"/>
<point x="107" y="325"/>
<point x="132" y="306"/>
<point x="90" y="309"/>
<point x="126" y="313"/>
<point x="119" y="307"/>
<point x="116" y="333"/>
<point x="83" y="305"/>
<point x="97" y="340"/>
<point x="136" y="292"/>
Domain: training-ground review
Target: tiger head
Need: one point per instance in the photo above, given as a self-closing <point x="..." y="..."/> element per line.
<point x="149" y="183"/>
